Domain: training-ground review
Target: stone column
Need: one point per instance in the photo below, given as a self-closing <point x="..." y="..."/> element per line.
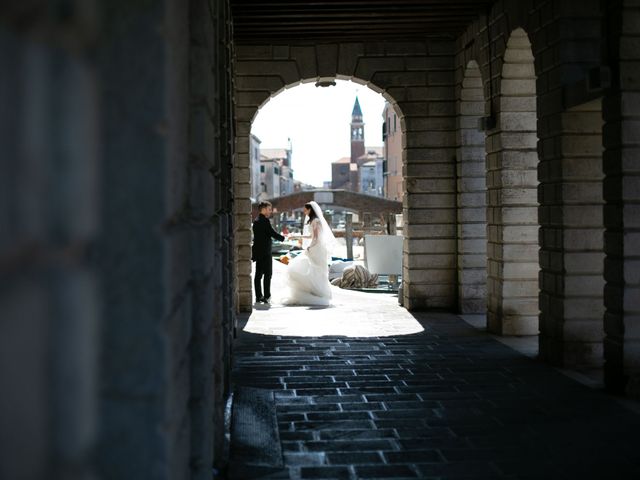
<point x="49" y="220"/>
<point x="512" y="219"/>
<point x="572" y="257"/>
<point x="429" y="203"/>
<point x="154" y="254"/>
<point x="471" y="195"/>
<point x="210" y="212"/>
<point x="622" y="197"/>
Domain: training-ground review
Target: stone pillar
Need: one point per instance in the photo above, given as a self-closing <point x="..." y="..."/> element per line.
<point x="429" y="203"/>
<point x="49" y="219"/>
<point x="622" y="196"/>
<point x="512" y="218"/>
<point x="210" y="210"/>
<point x="572" y="258"/>
<point x="145" y="343"/>
<point x="348" y="234"/>
<point x="471" y="195"/>
<point x="165" y="254"/>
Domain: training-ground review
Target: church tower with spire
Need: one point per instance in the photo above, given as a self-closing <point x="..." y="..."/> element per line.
<point x="357" y="133"/>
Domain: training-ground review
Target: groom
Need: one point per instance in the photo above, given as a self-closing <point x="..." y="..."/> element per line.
<point x="263" y="232"/>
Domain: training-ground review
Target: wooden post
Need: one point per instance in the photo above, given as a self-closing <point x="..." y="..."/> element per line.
<point x="366" y="222"/>
<point x="348" y="234"/>
<point x="392" y="228"/>
<point x="328" y="217"/>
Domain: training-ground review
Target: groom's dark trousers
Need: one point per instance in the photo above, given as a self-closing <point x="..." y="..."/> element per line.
<point x="263" y="232"/>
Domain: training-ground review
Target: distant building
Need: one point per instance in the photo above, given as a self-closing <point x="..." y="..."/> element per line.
<point x="392" y="136"/>
<point x="346" y="172"/>
<point x="340" y="174"/>
<point x="276" y="174"/>
<point x="299" y="186"/>
<point x="269" y="178"/>
<point x="371" y="174"/>
<point x="357" y="132"/>
<point x="254" y="159"/>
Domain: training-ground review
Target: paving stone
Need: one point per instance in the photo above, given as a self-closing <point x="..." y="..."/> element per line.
<point x="295" y="458"/>
<point x="290" y="436"/>
<point x="354" y="458"/>
<point x="325" y="472"/>
<point x="417" y="456"/>
<point x="357" y="434"/>
<point x="362" y="406"/>
<point x="386" y="471"/>
<point x="352" y="445"/>
<point x="448" y="402"/>
<point x="336" y="416"/>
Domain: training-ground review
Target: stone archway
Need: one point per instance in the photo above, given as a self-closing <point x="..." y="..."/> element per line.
<point x="512" y="162"/>
<point x="421" y="89"/>
<point x="242" y="194"/>
<point x="471" y="196"/>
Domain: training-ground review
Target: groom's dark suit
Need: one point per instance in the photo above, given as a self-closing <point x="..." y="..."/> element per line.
<point x="263" y="232"/>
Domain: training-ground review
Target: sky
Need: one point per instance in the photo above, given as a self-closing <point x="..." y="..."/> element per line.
<point x="317" y="120"/>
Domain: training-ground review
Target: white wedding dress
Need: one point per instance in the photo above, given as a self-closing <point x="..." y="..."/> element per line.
<point x="308" y="273"/>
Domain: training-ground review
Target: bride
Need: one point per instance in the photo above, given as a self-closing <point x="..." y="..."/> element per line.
<point x="308" y="273"/>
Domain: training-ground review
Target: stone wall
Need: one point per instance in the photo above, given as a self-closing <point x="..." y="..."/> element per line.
<point x="165" y="253"/>
<point x="622" y="202"/>
<point x="50" y="300"/>
<point x="471" y="192"/>
<point x="556" y="43"/>
<point x="417" y="78"/>
<point x="116" y="239"/>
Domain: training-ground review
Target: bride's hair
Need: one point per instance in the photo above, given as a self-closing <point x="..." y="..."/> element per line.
<point x="312" y="212"/>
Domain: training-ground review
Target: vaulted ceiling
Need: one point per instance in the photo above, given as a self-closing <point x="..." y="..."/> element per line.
<point x="318" y="21"/>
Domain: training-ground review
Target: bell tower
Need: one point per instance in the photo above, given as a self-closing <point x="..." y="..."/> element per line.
<point x="357" y="132"/>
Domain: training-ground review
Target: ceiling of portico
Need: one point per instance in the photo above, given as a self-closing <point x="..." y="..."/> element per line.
<point x="314" y="21"/>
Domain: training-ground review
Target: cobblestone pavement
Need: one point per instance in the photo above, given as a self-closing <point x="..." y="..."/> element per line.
<point x="447" y="402"/>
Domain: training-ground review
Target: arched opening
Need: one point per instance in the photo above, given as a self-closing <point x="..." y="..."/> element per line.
<point x="471" y="195"/>
<point x="512" y="216"/>
<point x="330" y="140"/>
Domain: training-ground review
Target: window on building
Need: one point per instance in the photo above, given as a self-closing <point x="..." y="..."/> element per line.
<point x="276" y="170"/>
<point x="261" y="168"/>
<point x="264" y="187"/>
<point x="394" y="123"/>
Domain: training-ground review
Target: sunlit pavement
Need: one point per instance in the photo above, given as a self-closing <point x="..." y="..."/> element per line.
<point x="447" y="402"/>
<point x="352" y="314"/>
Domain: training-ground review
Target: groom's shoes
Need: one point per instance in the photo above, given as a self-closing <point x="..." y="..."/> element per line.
<point x="266" y="300"/>
<point x="259" y="300"/>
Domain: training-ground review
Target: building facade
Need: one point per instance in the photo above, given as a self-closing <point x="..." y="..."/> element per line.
<point x="392" y="137"/>
<point x="254" y="154"/>
<point x="346" y="172"/>
<point x="371" y="178"/>
<point x="276" y="174"/>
